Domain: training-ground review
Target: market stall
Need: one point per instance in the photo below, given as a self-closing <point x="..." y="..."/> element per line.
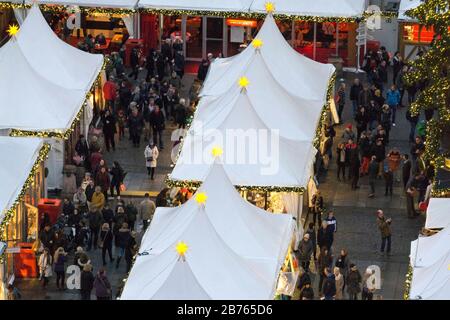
<point x="52" y="83"/>
<point x="233" y="246"/>
<point x="438" y="213"/>
<point x="22" y="176"/>
<point x="426" y="250"/>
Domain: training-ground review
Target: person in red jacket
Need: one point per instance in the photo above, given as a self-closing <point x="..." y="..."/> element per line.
<point x="109" y="92"/>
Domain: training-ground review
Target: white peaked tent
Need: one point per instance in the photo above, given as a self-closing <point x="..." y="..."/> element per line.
<point x="406" y="5"/>
<point x="319" y="8"/>
<point x="438" y="213"/>
<point x="18" y="156"/>
<point x="28" y="100"/>
<point x="254" y="154"/>
<point x="54" y="59"/>
<point x="235" y="249"/>
<point x="425" y="251"/>
<point x="301" y="77"/>
<point x="123" y="4"/>
<point x="198" y="5"/>
<point x="432" y="282"/>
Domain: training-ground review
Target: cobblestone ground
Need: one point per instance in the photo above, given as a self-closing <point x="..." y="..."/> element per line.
<point x="355" y="212"/>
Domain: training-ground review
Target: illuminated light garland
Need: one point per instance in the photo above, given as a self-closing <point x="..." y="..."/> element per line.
<point x="58" y="133"/>
<point x="63" y="8"/>
<point x="9" y="214"/>
<point x="325" y="111"/>
<point x="408" y="282"/>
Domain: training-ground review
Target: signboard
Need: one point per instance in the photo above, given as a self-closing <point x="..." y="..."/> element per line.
<point x="241" y="23"/>
<point x="13" y="250"/>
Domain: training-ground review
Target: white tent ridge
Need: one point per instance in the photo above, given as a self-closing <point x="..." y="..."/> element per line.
<point x="197" y="5"/>
<point x="18" y="156"/>
<point x="235" y="249"/>
<point x="438" y="213"/>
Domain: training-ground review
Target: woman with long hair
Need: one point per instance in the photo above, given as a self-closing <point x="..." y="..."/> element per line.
<point x="45" y="266"/>
<point x="60" y="258"/>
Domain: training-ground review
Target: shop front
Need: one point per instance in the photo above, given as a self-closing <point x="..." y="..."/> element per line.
<point x="413" y="38"/>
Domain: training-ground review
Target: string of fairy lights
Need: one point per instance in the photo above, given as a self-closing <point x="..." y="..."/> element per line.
<point x="433" y="70"/>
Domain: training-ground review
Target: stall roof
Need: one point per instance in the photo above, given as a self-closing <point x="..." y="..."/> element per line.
<point x="18" y="156"/>
<point x="316" y="8"/>
<point x="235" y="249"/>
<point x="426" y="251"/>
<point x="406" y="5"/>
<point x="197" y="5"/>
<point x="438" y="213"/>
<point x="122" y="4"/>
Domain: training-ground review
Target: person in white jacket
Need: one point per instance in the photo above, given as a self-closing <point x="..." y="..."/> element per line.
<point x="151" y="154"/>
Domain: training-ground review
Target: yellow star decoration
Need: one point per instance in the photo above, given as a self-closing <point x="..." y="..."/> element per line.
<point x="217" y="151"/>
<point x="13" y="29"/>
<point x="243" y="82"/>
<point x="257" y="43"/>
<point x="201" y="198"/>
<point x="270" y="7"/>
<point x="181" y="248"/>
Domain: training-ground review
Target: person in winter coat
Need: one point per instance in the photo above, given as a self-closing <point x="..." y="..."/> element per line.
<point x="146" y="210"/>
<point x="343" y="263"/>
<point x="157" y="122"/>
<point x="329" y="285"/>
<point x="341" y="100"/>
<point x="307" y="293"/>
<point x="117" y="176"/>
<point x="98" y="200"/>
<point x="353" y="282"/>
<point x="135" y="125"/>
<point x="102" y="179"/>
<point x="102" y="286"/>
<point x="400" y="82"/>
<point x="123" y="240"/>
<point x="373" y="173"/>
<point x="340" y="161"/>
<point x="364" y="149"/>
<point x="81" y="258"/>
<point x="348" y="134"/>
<point x="317" y="207"/>
<point x="109" y="130"/>
<point x="324" y="236"/>
<point x="368" y="284"/>
<point x="60" y="259"/>
<point x="131" y="212"/>
<point x="393" y="100"/>
<point x="362" y="119"/>
<point x="364" y="96"/>
<point x="413" y="121"/>
<point x="110" y="92"/>
<point x="355" y="90"/>
<point x="351" y="155"/>
<point x="379" y="151"/>
<point x="384" y="226"/>
<point x="385" y="121"/>
<point x="203" y="70"/>
<point x="151" y="154"/>
<point x="47" y="237"/>
<point x="389" y="181"/>
<point x="86" y="282"/>
<point x="305" y="249"/>
<point x="312" y="237"/>
<point x="45" y="266"/>
<point x="181" y="113"/>
<point x="394" y="158"/>
<point x="406" y="169"/>
<point x="79" y="200"/>
<point x="106" y="241"/>
<point x="95" y="220"/>
<point x="130" y="250"/>
<point x="324" y="262"/>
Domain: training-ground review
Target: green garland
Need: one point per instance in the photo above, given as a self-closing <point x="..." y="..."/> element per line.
<point x="408" y="281"/>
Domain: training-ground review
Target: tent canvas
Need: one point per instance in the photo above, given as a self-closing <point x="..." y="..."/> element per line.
<point x="254" y="153"/>
<point x="53" y="58"/>
<point x="316" y="8"/>
<point x="438" y="213"/>
<point x="198" y="5"/>
<point x="224" y="237"/>
<point x="425" y="251"/>
<point x="18" y="158"/>
<point x="302" y="77"/>
<point x="123" y="4"/>
<point x="406" y="5"/>
<point x="432" y="282"/>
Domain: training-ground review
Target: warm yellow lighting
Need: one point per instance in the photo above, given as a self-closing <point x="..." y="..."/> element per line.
<point x="201" y="198"/>
<point x="243" y="82"/>
<point x="13" y="29"/>
<point x="257" y="43"/>
<point x="181" y="248"/>
<point x="270" y="7"/>
<point x="217" y="151"/>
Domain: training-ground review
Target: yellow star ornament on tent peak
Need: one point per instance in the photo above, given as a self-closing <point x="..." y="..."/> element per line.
<point x="257" y="43"/>
<point x="201" y="198"/>
<point x="181" y="248"/>
<point x="216" y="151"/>
<point x="270" y="7"/>
<point x="13" y="29"/>
<point x="243" y="82"/>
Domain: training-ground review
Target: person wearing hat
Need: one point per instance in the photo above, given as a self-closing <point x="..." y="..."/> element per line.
<point x="106" y="241"/>
<point x="348" y="134"/>
<point x="353" y="282"/>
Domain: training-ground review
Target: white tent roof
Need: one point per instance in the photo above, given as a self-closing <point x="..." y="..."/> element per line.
<point x="425" y="251"/>
<point x="54" y="59"/>
<point x="18" y="156"/>
<point x="30" y="101"/>
<point x="247" y="163"/>
<point x="432" y="282"/>
<point x="406" y="5"/>
<point x="123" y="4"/>
<point x="199" y="5"/>
<point x="438" y="213"/>
<point x="235" y="249"/>
<point x="301" y="77"/>
<point x="321" y="8"/>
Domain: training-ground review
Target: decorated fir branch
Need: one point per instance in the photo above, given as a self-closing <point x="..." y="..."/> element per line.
<point x="408" y="281"/>
<point x="432" y="72"/>
<point x="9" y="213"/>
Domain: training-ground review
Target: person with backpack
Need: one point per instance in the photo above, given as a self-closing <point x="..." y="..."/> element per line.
<point x="102" y="286"/>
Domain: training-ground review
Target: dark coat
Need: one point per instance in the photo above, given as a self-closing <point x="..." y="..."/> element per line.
<point x="379" y="152"/>
<point x="102" y="286"/>
<point x="123" y="238"/>
<point x="157" y="120"/>
<point x="305" y="249"/>
<point x="354" y="282"/>
<point x="324" y="238"/>
<point x="86" y="281"/>
<point x="135" y="124"/>
<point x="109" y="125"/>
<point x="373" y="170"/>
<point x="107" y="238"/>
<point x="117" y="175"/>
<point x="354" y="91"/>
